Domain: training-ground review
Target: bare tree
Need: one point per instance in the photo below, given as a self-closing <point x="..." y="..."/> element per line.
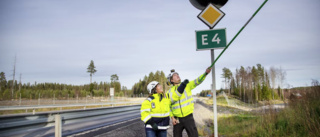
<point x="314" y="82"/>
<point x="282" y="76"/>
<point x="273" y="76"/>
<point x="238" y="81"/>
<point x="14" y="73"/>
<point x="20" y="83"/>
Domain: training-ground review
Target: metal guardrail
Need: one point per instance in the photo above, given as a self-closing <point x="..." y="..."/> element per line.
<point x="33" y="108"/>
<point x="73" y="121"/>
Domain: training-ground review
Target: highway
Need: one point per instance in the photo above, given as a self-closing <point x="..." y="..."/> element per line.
<point x="73" y="122"/>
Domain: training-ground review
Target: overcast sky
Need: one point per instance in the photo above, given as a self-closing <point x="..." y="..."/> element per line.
<point x="55" y="40"/>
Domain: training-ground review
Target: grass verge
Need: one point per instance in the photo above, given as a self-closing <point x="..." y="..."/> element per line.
<point x="300" y="119"/>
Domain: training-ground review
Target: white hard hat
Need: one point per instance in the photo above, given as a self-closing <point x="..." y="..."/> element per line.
<point x="170" y="76"/>
<point x="151" y="86"/>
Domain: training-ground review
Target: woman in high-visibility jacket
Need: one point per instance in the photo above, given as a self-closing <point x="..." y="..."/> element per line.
<point x="155" y="111"/>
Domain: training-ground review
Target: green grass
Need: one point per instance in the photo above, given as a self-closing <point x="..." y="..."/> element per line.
<point x="237" y="125"/>
<point x="282" y="124"/>
<point x="300" y="119"/>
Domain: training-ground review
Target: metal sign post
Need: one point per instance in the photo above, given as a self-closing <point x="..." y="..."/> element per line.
<point x="213" y="90"/>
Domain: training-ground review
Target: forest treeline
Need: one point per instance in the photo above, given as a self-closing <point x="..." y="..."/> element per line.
<point x="253" y="83"/>
<point x="58" y="90"/>
<point x="63" y="91"/>
<point x="141" y="86"/>
<point x="250" y="84"/>
<point x="11" y="89"/>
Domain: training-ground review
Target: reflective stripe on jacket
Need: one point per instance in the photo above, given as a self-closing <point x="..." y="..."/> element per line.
<point x="183" y="104"/>
<point x="157" y="109"/>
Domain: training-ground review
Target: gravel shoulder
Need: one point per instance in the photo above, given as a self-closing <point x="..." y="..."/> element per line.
<point x="203" y="117"/>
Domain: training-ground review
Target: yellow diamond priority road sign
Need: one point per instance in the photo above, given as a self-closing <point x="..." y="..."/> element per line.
<point x="211" y="15"/>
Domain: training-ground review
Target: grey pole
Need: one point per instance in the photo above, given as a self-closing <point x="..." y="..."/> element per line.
<point x="215" y="119"/>
<point x="58" y="126"/>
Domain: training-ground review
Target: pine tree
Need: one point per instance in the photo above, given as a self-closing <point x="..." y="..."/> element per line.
<point x="3" y="82"/>
<point x="226" y="74"/>
<point x="255" y="78"/>
<point x="243" y="79"/>
<point x="91" y="69"/>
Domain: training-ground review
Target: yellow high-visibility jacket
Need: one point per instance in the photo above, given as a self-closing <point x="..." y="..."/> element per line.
<point x="182" y="104"/>
<point x="156" y="108"/>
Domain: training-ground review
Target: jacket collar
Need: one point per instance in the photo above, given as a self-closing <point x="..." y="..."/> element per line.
<point x="177" y="85"/>
<point x="158" y="96"/>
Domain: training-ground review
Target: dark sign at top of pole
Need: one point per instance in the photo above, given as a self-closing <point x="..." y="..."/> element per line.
<point x="201" y="4"/>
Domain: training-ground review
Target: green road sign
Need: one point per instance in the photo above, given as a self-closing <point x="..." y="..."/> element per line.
<point x="211" y="39"/>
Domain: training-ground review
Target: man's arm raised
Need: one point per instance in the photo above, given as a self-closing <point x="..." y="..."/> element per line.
<point x="199" y="80"/>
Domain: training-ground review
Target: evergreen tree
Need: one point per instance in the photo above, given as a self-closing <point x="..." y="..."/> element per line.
<point x="115" y="83"/>
<point x="226" y="74"/>
<point x="163" y="80"/>
<point x="243" y="78"/>
<point x="3" y="82"/>
<point x="255" y="79"/>
<point x="233" y="87"/>
<point x="150" y="77"/>
<point x="91" y="69"/>
<point x="260" y="71"/>
<point x="141" y="86"/>
<point x="238" y="81"/>
<point x="114" y="78"/>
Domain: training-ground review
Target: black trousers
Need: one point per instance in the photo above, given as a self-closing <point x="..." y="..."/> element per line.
<point x="185" y="123"/>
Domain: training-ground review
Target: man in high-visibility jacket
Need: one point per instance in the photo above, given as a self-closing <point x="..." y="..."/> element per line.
<point x="182" y="103"/>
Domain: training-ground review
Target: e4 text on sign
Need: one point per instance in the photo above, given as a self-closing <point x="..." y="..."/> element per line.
<point x="211" y="39"/>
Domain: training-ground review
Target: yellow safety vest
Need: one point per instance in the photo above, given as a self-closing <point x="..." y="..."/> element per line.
<point x="182" y="104"/>
<point x="158" y="111"/>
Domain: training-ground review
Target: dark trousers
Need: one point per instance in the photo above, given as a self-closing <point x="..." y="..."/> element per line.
<point x="159" y="133"/>
<point x="185" y="123"/>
